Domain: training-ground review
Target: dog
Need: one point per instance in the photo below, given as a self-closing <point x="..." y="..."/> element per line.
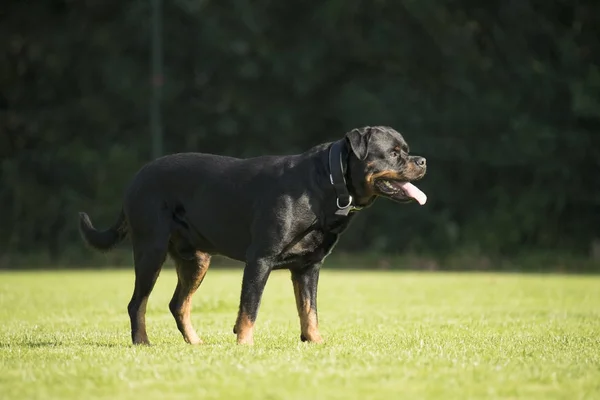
<point x="271" y="212"/>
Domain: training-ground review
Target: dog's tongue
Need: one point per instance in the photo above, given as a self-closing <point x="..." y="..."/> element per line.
<point x="414" y="192"/>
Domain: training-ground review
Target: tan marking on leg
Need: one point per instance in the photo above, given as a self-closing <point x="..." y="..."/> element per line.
<point x="181" y="313"/>
<point x="186" y="287"/>
<point x="244" y="328"/>
<point x="309" y="324"/>
<point x="311" y="331"/>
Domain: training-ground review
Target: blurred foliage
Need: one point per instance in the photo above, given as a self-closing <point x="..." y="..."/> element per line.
<point x="503" y="98"/>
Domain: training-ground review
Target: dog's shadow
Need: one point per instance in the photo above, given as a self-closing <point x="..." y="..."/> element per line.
<point x="37" y="344"/>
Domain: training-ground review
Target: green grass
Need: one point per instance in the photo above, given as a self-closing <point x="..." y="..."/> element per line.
<point x="389" y="335"/>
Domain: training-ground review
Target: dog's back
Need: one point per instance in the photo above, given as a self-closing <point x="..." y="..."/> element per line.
<point x="209" y="196"/>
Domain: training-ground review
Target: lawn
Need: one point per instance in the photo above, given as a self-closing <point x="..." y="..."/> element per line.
<point x="65" y="335"/>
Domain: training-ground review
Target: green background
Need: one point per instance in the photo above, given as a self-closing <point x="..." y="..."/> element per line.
<point x="502" y="97"/>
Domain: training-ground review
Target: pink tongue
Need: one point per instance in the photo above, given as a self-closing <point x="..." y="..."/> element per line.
<point x="414" y="192"/>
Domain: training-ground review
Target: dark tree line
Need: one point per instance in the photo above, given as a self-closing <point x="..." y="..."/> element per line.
<point x="502" y="97"/>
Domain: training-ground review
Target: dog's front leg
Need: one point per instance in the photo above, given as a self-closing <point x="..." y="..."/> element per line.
<point x="305" y="283"/>
<point x="255" y="278"/>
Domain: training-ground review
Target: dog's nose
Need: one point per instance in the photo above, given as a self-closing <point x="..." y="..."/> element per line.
<point x="420" y="161"/>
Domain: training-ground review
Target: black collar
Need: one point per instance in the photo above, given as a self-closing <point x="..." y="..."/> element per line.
<point x="344" y="199"/>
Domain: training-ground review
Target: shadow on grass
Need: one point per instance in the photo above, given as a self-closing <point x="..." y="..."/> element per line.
<point x="37" y="344"/>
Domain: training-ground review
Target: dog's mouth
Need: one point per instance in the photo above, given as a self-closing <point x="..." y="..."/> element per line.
<point x="400" y="191"/>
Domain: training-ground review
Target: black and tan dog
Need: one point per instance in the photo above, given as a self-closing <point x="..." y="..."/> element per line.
<point x="270" y="212"/>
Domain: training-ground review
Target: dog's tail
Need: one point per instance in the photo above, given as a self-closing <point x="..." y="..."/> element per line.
<point x="102" y="240"/>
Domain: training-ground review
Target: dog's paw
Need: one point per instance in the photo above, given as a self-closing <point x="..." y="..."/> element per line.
<point x="313" y="339"/>
<point x="247" y="341"/>
<point x="193" y="339"/>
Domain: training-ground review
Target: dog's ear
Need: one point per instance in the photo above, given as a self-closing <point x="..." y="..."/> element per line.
<point x="359" y="141"/>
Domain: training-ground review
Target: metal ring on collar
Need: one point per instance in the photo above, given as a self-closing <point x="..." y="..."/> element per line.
<point x="346" y="206"/>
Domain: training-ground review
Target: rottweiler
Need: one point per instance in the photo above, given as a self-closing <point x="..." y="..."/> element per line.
<point x="270" y="212"/>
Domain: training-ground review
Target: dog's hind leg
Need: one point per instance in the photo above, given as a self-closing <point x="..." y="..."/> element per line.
<point x="190" y="274"/>
<point x="149" y="254"/>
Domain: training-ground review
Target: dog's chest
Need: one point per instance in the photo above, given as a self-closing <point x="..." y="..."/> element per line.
<point x="309" y="249"/>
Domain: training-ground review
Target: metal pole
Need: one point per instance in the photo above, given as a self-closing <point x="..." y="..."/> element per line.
<point x="156" y="65"/>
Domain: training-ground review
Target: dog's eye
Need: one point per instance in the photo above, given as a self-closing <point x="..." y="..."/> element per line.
<point x="395" y="153"/>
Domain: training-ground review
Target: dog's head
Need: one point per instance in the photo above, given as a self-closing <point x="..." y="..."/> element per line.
<point x="382" y="162"/>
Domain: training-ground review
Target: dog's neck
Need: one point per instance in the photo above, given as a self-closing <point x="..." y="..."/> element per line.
<point x="350" y="197"/>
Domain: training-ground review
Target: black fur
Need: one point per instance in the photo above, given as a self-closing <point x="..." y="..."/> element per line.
<point x="270" y="212"/>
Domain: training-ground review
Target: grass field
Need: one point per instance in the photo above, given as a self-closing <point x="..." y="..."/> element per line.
<point x="389" y="335"/>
